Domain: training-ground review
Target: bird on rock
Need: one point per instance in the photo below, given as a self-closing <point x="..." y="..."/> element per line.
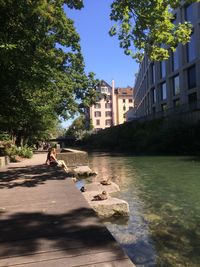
<point x="102" y="196"/>
<point x="105" y="182"/>
<point x="83" y="189"/>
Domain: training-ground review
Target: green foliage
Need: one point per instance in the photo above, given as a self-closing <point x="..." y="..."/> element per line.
<point x="4" y="136"/>
<point x="154" y="137"/>
<point x="24" y="152"/>
<point x="79" y="128"/>
<point x="41" y="67"/>
<point x="148" y="27"/>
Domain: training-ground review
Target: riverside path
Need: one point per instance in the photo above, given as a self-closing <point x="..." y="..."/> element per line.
<point x="45" y="221"/>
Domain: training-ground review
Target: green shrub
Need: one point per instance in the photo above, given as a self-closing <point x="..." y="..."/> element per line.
<point x="24" y="152"/>
<point x="4" y="136"/>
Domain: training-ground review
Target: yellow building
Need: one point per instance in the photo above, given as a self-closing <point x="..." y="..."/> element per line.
<point x="111" y="107"/>
<point x="124" y="102"/>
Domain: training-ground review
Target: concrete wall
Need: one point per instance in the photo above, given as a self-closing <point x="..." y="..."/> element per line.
<point x="74" y="157"/>
<point x="4" y="161"/>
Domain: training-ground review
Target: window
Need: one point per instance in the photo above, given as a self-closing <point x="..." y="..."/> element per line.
<point x="176" y="85"/>
<point x="124" y="108"/>
<point x="98" y="105"/>
<point x="153" y="94"/>
<point x="97" y="122"/>
<point x="97" y="114"/>
<point x="189" y="15"/>
<point x="164" y="107"/>
<point x="191" y="55"/>
<point x="176" y="103"/>
<point x="98" y="129"/>
<point x="153" y="110"/>
<point x="163" y="69"/>
<point x="192" y="100"/>
<point x="108" y="122"/>
<point x="175" y="60"/>
<point x="108" y="113"/>
<point x="124" y="100"/>
<point x="104" y="90"/>
<point x="163" y="91"/>
<point x="108" y="105"/>
<point x="191" y="74"/>
<point x="130" y="100"/>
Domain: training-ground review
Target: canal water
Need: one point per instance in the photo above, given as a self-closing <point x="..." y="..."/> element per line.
<point x="164" y="199"/>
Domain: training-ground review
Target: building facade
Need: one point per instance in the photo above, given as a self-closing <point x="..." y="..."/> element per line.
<point x="173" y="85"/>
<point x="124" y="102"/>
<point x="111" y="106"/>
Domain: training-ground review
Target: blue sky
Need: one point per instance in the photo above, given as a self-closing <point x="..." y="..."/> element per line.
<point x="101" y="52"/>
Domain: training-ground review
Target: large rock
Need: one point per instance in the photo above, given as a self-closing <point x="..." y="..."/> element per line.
<point x="99" y="187"/>
<point x="83" y="171"/>
<point x="109" y="207"/>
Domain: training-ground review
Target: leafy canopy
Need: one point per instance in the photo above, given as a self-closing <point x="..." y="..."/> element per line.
<point x="146" y="26"/>
<point x="41" y="66"/>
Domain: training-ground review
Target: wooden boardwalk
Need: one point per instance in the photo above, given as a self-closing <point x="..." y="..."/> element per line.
<point x="45" y="221"/>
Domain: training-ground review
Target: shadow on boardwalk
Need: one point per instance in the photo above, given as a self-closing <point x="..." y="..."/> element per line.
<point x="23" y="233"/>
<point x="30" y="177"/>
<point x="46" y="221"/>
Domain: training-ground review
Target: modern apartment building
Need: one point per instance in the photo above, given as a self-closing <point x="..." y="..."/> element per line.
<point x="171" y="86"/>
<point x="111" y="106"/>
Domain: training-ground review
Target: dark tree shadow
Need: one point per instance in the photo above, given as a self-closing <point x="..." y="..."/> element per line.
<point x="22" y="233"/>
<point x="30" y="176"/>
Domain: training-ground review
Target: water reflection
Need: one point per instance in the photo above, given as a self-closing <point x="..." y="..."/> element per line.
<point x="163" y="195"/>
<point x="132" y="234"/>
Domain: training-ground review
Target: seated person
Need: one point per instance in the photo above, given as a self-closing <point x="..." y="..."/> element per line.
<point x="52" y="160"/>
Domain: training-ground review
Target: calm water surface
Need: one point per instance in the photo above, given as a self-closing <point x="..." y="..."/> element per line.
<point x="164" y="199"/>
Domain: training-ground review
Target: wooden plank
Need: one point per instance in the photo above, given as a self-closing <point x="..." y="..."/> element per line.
<point x="48" y="222"/>
<point x="75" y="256"/>
<point x="57" y="259"/>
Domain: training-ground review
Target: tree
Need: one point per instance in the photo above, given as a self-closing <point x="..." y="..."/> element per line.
<point x="79" y="128"/>
<point x="41" y="66"/>
<point x="148" y="26"/>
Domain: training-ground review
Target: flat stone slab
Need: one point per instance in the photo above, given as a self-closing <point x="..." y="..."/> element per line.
<point x="112" y="188"/>
<point x="109" y="207"/>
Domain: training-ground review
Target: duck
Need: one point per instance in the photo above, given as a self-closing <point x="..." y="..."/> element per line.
<point x="105" y="182"/>
<point x="83" y="189"/>
<point x="102" y="196"/>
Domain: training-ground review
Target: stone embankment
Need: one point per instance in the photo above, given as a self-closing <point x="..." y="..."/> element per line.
<point x="107" y="206"/>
